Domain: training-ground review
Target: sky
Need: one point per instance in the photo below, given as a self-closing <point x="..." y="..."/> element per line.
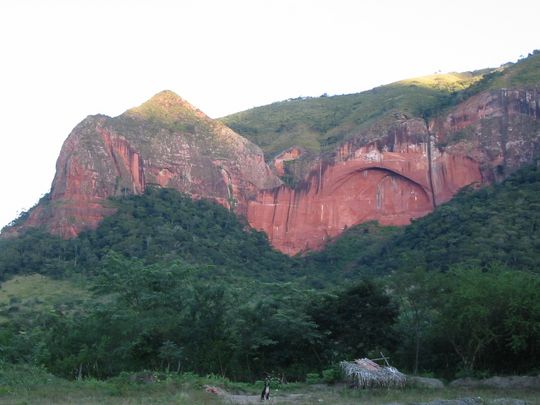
<point x="62" y="60"/>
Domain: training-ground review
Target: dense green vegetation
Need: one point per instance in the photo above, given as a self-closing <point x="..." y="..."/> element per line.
<point x="175" y="285"/>
<point x="525" y="73"/>
<point x="493" y="226"/>
<point x="160" y="226"/>
<point x="321" y="123"/>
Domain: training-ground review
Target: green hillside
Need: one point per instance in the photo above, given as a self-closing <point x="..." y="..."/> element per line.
<point x="321" y="123"/>
<point x="318" y="124"/>
<point x="498" y="225"/>
<point x="175" y="285"/>
<point x="525" y="73"/>
<point x="26" y="295"/>
<point x="162" y="225"/>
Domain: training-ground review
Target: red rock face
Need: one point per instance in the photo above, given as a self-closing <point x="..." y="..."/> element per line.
<point x="396" y="178"/>
<point x="285" y="156"/>
<point x="392" y="181"/>
<point x="367" y="183"/>
<point x="498" y="129"/>
<point x="166" y="142"/>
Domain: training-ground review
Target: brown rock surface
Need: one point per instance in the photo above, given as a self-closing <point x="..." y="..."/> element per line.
<point x="389" y="184"/>
<point x="401" y="176"/>
<point x="499" y="129"/>
<point x="292" y="153"/>
<point x="396" y="176"/>
<point x="164" y="142"/>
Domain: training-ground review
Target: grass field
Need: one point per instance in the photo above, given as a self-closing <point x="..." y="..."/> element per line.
<point x="37" y="293"/>
<point x="29" y="385"/>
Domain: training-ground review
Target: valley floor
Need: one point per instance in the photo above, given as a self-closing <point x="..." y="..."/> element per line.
<point x="175" y="392"/>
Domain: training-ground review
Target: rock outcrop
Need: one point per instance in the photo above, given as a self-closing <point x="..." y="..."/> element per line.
<point x="499" y="129"/>
<point x="405" y="173"/>
<point x="392" y="172"/>
<point x="165" y="142"/>
<point x="292" y="153"/>
<point x="424" y="382"/>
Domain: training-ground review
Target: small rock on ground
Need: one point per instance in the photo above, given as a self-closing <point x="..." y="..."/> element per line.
<point x="424" y="382"/>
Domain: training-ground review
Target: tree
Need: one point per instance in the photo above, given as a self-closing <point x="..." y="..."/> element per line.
<point x="417" y="292"/>
<point x="491" y="317"/>
<point x="357" y="320"/>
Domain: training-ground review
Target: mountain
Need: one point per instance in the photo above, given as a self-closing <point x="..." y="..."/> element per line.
<point x="165" y="142"/>
<point x="391" y="154"/>
<point x="168" y="272"/>
<point x="494" y="226"/>
<point x="320" y="124"/>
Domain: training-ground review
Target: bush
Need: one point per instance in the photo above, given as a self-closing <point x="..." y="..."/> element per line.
<point x="331" y="375"/>
<point x="313" y="378"/>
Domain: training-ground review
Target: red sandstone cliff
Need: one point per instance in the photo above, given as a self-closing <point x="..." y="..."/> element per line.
<point x="164" y="142"/>
<point x="402" y="176"/>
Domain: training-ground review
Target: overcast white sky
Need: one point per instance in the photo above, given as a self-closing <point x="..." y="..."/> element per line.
<point x="63" y="60"/>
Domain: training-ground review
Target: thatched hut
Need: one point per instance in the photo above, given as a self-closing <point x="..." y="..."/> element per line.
<point x="365" y="373"/>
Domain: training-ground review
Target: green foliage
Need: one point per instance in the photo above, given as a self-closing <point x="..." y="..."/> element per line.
<point x="168" y="109"/>
<point x="470" y="319"/>
<point x="351" y="255"/>
<point x="25" y="296"/>
<point x="495" y="225"/>
<point x="162" y="225"/>
<point x="492" y="318"/>
<point x="319" y="124"/>
<point x="173" y="285"/>
<point x="357" y="321"/>
<point x="332" y="375"/>
<point x="524" y="73"/>
<point x="313" y="378"/>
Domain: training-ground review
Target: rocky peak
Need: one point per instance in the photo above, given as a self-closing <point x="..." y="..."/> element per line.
<point x="167" y="107"/>
<point x="165" y="142"/>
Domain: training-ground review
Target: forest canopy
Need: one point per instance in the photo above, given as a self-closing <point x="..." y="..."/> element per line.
<point x="172" y="284"/>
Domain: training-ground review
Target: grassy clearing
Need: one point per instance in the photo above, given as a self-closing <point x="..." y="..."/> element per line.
<point x="30" y="385"/>
<point x="37" y="293"/>
<point x="36" y="286"/>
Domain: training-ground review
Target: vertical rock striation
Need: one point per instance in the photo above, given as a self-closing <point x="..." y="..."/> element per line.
<point x="400" y="177"/>
<point x="165" y="142"/>
<point x="394" y="172"/>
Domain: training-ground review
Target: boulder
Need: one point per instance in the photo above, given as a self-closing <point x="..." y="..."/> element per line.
<point x="424" y="382"/>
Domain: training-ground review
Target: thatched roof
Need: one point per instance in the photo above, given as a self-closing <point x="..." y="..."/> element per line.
<point x="364" y="373"/>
